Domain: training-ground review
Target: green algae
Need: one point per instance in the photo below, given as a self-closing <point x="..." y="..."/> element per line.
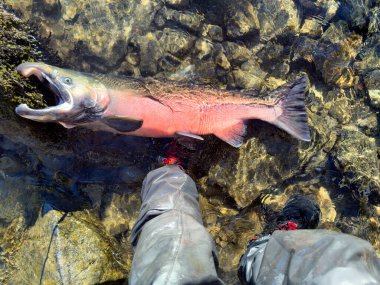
<point x="17" y="44"/>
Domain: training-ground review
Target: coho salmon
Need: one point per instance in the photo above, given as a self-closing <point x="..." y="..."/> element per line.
<point x="152" y="108"/>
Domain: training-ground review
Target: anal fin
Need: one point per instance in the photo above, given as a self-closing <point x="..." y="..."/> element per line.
<point x="234" y="134"/>
<point x="189" y="135"/>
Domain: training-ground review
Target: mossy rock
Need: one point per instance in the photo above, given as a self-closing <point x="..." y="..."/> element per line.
<point x="18" y="44"/>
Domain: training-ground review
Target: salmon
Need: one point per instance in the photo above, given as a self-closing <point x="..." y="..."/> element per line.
<point x="151" y="108"/>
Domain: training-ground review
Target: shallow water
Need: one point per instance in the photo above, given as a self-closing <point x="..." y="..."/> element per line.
<point x="86" y="184"/>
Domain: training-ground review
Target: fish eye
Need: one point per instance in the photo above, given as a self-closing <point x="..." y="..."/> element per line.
<point x="68" y="80"/>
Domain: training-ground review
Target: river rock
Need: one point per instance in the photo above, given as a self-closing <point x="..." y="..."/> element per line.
<point x="177" y="3"/>
<point x="322" y="10"/>
<point x="119" y="212"/>
<point x="186" y="19"/>
<point x="334" y="53"/>
<point x="236" y="54"/>
<point x="357" y="158"/>
<point x="374" y="21"/>
<point x="368" y="58"/>
<point x="312" y="28"/>
<point x="176" y="42"/>
<point x="355" y="13"/>
<point x="61" y="248"/>
<point x="372" y="83"/>
<point x="90" y="34"/>
<point x="213" y="32"/>
<point x="99" y="175"/>
<point x="222" y="60"/>
<point x="149" y="53"/>
<point x="277" y="18"/>
<point x="204" y="48"/>
<point x="240" y="18"/>
<point x="249" y="76"/>
<point x="302" y="49"/>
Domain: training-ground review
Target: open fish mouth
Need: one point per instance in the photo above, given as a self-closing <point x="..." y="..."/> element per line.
<point x="55" y="94"/>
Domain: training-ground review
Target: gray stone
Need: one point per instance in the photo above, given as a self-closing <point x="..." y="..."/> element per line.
<point x="80" y="30"/>
<point x="73" y="248"/>
<point x="374" y="21"/>
<point x="249" y="76"/>
<point x="236" y="54"/>
<point x="372" y="82"/>
<point x="354" y="12"/>
<point x="334" y="53"/>
<point x="240" y="18"/>
<point x="374" y="95"/>
<point x="322" y="10"/>
<point x="204" y="48"/>
<point x="369" y="56"/>
<point x="176" y="42"/>
<point x="277" y="18"/>
<point x="213" y="32"/>
<point x="177" y="3"/>
<point x="185" y="19"/>
<point x="303" y="48"/>
<point x="356" y="156"/>
<point x="222" y="60"/>
<point x="149" y="53"/>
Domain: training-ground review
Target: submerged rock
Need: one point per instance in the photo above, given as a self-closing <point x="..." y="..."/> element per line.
<point x="355" y="12"/>
<point x="369" y="56"/>
<point x="322" y="10"/>
<point x="240" y="18"/>
<point x="67" y="248"/>
<point x="188" y="20"/>
<point x="90" y="34"/>
<point x="177" y="3"/>
<point x="17" y="44"/>
<point x="372" y="82"/>
<point x="356" y="156"/>
<point x="277" y="18"/>
<point x="236" y="54"/>
<point x="250" y="45"/>
<point x="213" y="32"/>
<point x="149" y="51"/>
<point x="312" y="28"/>
<point x="374" y="96"/>
<point x="334" y="53"/>
<point x="249" y="76"/>
<point x="176" y="42"/>
<point x="374" y="21"/>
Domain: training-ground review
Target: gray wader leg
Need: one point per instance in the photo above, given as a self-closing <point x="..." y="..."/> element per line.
<point x="315" y="257"/>
<point x="170" y="242"/>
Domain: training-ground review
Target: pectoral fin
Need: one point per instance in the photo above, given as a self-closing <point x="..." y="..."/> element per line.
<point x="122" y="124"/>
<point x="189" y="135"/>
<point x="233" y="135"/>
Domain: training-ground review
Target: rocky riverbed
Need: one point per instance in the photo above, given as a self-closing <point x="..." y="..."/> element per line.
<point x="69" y="198"/>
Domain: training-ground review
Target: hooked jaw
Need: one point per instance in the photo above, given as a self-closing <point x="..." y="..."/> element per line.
<point x="47" y="76"/>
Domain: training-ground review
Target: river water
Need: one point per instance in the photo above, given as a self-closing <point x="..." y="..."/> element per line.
<point x="69" y="197"/>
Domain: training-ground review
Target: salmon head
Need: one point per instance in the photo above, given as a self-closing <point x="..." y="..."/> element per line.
<point x="79" y="97"/>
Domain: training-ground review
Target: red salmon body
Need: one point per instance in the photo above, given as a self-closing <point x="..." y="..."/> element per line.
<point x="151" y="108"/>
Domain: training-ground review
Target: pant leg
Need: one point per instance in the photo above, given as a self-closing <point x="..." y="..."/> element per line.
<point x="310" y="257"/>
<point x="170" y="242"/>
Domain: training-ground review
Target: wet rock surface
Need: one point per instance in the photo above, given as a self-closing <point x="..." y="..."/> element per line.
<point x="52" y="245"/>
<point x="75" y="191"/>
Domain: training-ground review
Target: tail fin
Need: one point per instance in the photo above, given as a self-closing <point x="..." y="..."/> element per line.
<point x="293" y="119"/>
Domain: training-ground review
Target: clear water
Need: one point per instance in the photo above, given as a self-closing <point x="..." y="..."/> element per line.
<point x="44" y="167"/>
